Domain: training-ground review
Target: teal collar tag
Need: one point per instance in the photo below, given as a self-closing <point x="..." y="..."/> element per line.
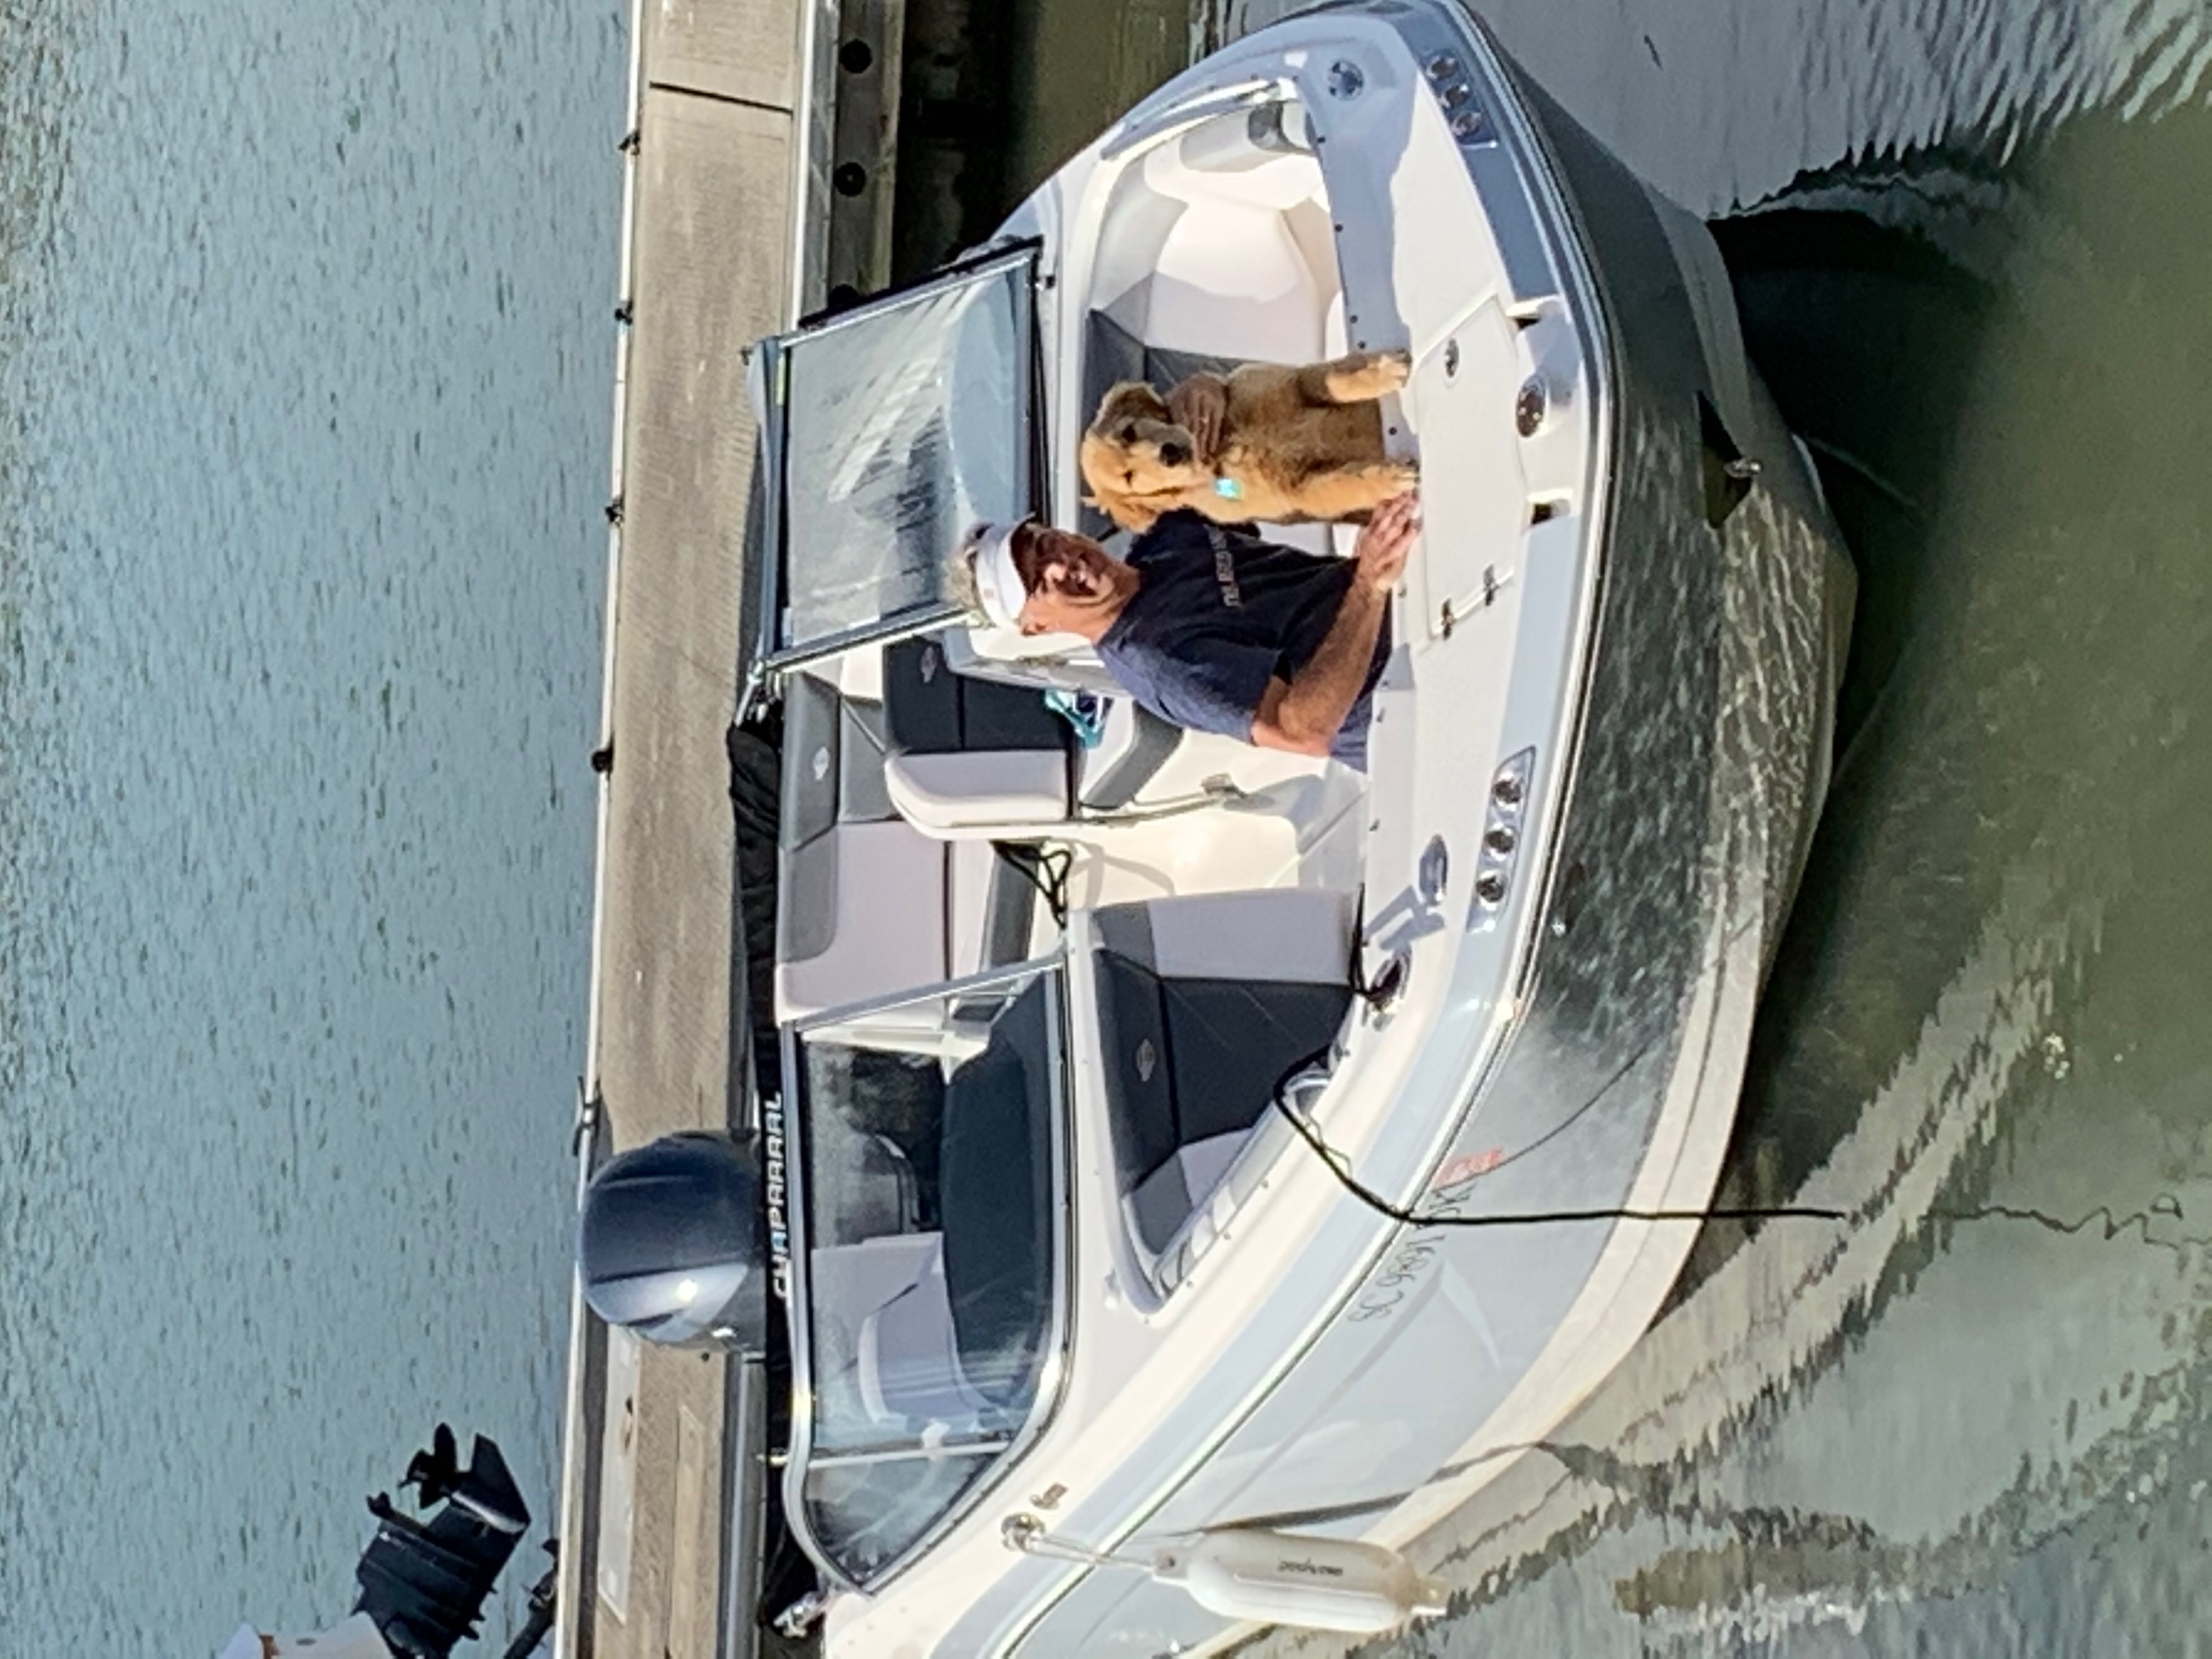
<point x="1228" y="489"/>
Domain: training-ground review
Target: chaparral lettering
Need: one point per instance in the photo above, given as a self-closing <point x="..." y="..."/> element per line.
<point x="779" y="1232"/>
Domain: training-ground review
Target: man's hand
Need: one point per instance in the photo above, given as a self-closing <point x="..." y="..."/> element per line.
<point x="1384" y="541"/>
<point x="1200" y="407"/>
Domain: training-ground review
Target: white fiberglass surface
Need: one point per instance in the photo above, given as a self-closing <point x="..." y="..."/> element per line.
<point x="1218" y="242"/>
<point x="932" y="1245"/>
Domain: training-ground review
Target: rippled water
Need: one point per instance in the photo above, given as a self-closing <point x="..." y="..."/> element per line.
<point x="1976" y="279"/>
<point x="304" y="359"/>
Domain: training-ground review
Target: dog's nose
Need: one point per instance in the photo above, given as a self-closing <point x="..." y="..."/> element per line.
<point x="1175" y="454"/>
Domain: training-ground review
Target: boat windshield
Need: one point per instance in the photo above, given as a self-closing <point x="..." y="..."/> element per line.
<point x="927" y="1140"/>
<point x="893" y="429"/>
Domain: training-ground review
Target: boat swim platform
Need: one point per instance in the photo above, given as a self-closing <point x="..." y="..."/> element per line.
<point x="759" y="175"/>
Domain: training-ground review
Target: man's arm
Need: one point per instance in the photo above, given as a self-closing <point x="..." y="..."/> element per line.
<point x="1304" y="715"/>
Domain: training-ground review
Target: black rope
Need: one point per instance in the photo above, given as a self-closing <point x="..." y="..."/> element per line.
<point x="1338" y="1166"/>
<point x="2164" y="1206"/>
<point x="1866" y="474"/>
<point x="1045" y="869"/>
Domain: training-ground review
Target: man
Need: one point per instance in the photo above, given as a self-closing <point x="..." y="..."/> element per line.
<point x="1211" y="627"/>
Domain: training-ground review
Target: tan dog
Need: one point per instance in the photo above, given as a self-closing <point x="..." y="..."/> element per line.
<point x="1297" y="446"/>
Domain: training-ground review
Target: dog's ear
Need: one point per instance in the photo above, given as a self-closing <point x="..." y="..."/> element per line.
<point x="1133" y="513"/>
<point x="1114" y="505"/>
<point x="1095" y="463"/>
<point x="1123" y="510"/>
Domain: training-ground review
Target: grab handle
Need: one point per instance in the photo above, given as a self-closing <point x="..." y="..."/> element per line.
<point x="1141" y="129"/>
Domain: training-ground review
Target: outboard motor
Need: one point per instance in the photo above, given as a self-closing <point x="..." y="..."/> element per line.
<point x="425" y="1584"/>
<point x="673" y="1243"/>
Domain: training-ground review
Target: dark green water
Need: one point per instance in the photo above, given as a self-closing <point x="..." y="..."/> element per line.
<point x="1923" y="1436"/>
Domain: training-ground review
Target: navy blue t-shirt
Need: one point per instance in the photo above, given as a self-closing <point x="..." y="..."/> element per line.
<point x="1220" y="614"/>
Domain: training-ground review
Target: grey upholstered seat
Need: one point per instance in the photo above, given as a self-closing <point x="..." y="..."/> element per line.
<point x="1205" y="1003"/>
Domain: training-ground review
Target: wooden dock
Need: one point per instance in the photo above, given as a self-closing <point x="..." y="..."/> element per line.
<point x="711" y="261"/>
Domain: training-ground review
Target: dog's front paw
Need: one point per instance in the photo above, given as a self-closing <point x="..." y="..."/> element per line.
<point x="1363" y="377"/>
<point x="1391" y="478"/>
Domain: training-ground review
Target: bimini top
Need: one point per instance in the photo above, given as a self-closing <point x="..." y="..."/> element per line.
<point x="887" y="431"/>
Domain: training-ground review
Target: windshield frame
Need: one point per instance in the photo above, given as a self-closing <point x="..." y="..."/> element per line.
<point x="769" y="385"/>
<point x="1054" y="1352"/>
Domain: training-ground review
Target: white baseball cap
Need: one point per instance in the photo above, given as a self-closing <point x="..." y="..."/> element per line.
<point x="999" y="581"/>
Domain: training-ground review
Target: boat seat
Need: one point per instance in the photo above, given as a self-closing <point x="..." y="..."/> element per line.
<point x="879" y="1193"/>
<point x="1231" y="277"/>
<point x="849" y="1284"/>
<point x="866" y="904"/>
<point x="964" y="753"/>
<point x="868" y="1274"/>
<point x="960" y="752"/>
<point x="909" y="1368"/>
<point x="1205" y="1003"/>
<point x="1038" y="661"/>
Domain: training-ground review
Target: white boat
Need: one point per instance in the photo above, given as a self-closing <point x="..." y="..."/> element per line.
<point x="1086" y="1047"/>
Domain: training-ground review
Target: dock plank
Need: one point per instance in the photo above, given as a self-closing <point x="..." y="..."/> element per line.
<point x="747" y="50"/>
<point x="707" y="283"/>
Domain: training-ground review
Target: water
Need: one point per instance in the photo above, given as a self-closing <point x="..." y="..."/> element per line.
<point x="304" y="360"/>
<point x="1977" y="279"/>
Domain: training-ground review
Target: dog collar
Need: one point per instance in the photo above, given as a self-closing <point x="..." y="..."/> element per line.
<point x="1228" y="489"/>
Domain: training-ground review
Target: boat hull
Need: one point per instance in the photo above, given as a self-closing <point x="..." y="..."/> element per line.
<point x="1581" y="1049"/>
<point x="1699" y="763"/>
